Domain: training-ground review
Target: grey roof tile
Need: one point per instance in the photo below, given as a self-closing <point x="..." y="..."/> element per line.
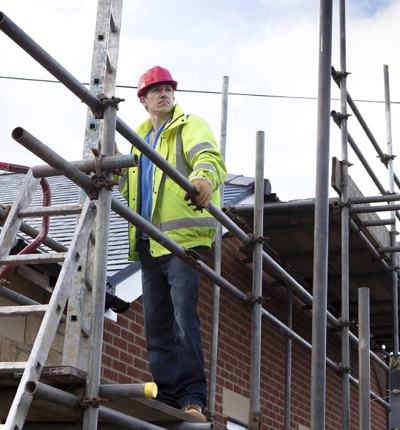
<point x="63" y="191"/>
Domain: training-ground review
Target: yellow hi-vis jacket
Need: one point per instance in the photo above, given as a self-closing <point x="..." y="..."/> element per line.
<point x="188" y="144"/>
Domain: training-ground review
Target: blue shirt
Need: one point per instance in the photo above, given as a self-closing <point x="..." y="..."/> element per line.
<point x="146" y="178"/>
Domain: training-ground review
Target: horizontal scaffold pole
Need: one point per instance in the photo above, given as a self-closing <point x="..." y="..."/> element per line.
<point x="144" y="390"/>
<point x="70" y="401"/>
<point x="90" y="165"/>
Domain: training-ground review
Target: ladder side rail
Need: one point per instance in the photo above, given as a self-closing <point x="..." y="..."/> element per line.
<point x="103" y="72"/>
<point x="102" y="82"/>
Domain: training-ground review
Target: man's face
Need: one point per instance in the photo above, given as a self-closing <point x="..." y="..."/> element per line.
<point x="159" y="99"/>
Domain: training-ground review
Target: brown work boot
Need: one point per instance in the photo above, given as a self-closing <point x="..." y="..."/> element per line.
<point x="194" y="411"/>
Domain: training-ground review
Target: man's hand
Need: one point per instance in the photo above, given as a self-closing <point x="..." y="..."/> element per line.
<point x="203" y="192"/>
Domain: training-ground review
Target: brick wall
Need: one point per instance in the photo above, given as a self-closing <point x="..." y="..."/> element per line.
<point x="125" y="357"/>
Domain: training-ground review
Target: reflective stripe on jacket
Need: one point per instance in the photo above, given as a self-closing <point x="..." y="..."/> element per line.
<point x="188" y="144"/>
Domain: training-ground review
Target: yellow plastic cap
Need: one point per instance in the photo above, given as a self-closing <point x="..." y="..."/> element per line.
<point x="150" y="390"/>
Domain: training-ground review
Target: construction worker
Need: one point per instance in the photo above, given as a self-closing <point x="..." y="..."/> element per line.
<point x="170" y="287"/>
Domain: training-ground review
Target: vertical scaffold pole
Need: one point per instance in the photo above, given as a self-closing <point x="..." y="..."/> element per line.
<point x="364" y="359"/>
<point x="218" y="261"/>
<point x="255" y="418"/>
<point x="345" y="234"/>
<point x="393" y="232"/>
<point x="99" y="275"/>
<point x="100" y="139"/>
<point x="289" y="355"/>
<point x="320" y="269"/>
<point x="393" y="372"/>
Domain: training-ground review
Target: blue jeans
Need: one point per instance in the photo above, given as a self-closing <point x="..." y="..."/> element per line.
<point x="170" y="295"/>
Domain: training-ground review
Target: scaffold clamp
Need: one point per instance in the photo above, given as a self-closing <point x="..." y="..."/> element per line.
<point x="386" y="158"/>
<point x="104" y="102"/>
<point x="255" y="420"/>
<point x="344" y="369"/>
<point x="337" y="76"/>
<point x="252" y="299"/>
<point x="192" y="257"/>
<point x="346" y="323"/>
<point x="96" y="402"/>
<point x="259" y="239"/>
<point x="339" y="205"/>
<point x="339" y="117"/>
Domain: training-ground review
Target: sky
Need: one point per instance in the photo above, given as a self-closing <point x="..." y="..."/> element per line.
<point x="268" y="49"/>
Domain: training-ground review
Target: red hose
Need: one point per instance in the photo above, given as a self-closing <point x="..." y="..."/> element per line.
<point x="44" y="230"/>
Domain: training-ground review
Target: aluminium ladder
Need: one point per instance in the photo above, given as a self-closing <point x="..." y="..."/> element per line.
<point x="53" y="311"/>
<point x="100" y="141"/>
<point x="83" y="352"/>
<point x="102" y="81"/>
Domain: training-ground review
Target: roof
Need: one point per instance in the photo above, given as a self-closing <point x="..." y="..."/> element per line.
<point x="63" y="192"/>
<point x="289" y="231"/>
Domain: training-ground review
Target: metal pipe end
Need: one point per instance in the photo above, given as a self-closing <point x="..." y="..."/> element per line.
<point x="150" y="390"/>
<point x="30" y="387"/>
<point x="17" y="133"/>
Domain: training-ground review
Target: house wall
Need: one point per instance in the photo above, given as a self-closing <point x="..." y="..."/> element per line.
<point x="125" y="357"/>
<point x="18" y="333"/>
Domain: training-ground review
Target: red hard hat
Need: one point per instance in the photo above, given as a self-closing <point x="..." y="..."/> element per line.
<point x="155" y="75"/>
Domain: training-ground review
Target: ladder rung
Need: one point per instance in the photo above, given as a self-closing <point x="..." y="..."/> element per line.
<point x="110" y="67"/>
<point x="50" y="257"/>
<point x="16" y="366"/>
<point x="12" y="311"/>
<point x="113" y="25"/>
<point x="37" y="211"/>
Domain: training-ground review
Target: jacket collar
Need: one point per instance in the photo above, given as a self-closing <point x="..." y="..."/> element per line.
<point x="177" y="119"/>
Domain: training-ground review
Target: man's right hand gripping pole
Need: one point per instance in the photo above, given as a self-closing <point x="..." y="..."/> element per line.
<point x="203" y="195"/>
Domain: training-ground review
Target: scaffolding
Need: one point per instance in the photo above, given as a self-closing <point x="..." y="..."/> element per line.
<point x="103" y="110"/>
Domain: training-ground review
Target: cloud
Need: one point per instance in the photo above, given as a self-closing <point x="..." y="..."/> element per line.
<point x="369" y="8"/>
<point x="265" y="47"/>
